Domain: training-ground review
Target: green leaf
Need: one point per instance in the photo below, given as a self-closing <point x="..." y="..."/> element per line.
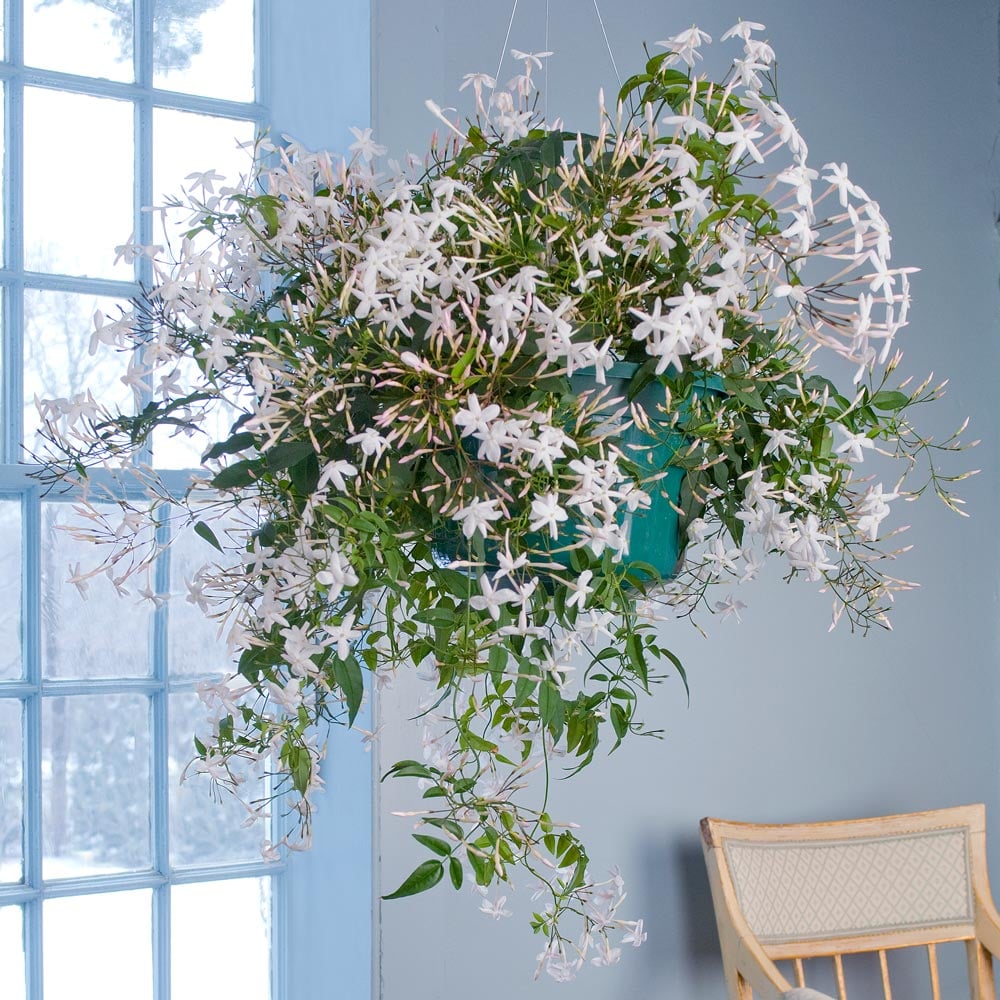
<point x="679" y="667"/>
<point x="551" y="150"/>
<point x="436" y="844"/>
<point x="889" y="400"/>
<point x="238" y="442"/>
<point x="455" y="872"/>
<point x="347" y="673"/>
<point x="551" y="708"/>
<point x="497" y="662"/>
<point x="255" y="661"/>
<point x="422" y="878"/>
<point x="305" y="474"/>
<point x="435" y="617"/>
<point x="637" y="657"/>
<point x="470" y="741"/>
<point x="619" y="721"/>
<point x="481" y="866"/>
<point x="621" y="693"/>
<point x="409" y="769"/>
<point x="202" y="530"/>
<point x="463" y="363"/>
<point x="446" y="824"/>
<point x="237" y="475"/>
<point x="289" y="453"/>
<point x="270" y="215"/>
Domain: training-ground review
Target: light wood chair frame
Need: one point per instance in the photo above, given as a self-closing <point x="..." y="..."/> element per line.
<point x="749" y="965"/>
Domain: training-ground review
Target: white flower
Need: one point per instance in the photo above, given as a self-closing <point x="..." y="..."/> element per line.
<point x="779" y="439"/>
<point x="741" y="29"/>
<point x="596" y="247"/>
<point x="472" y="418"/>
<point x="496" y="908"/>
<point x="636" y="934"/>
<point x="371" y="442"/>
<point x="581" y="589"/>
<point x="872" y="510"/>
<point x="730" y="606"/>
<point x="805" y="549"/>
<point x="477" y="516"/>
<point x="491" y="599"/>
<point x="686" y="43"/>
<point x="269" y="851"/>
<point x="336" y="473"/>
<point x="343" y="635"/>
<point x="606" y="955"/>
<point x="365" y="146"/>
<point x="741" y="140"/>
<point x="546" y="513"/>
<point x="696" y="529"/>
<point x="337" y="575"/>
<point x="854" y="445"/>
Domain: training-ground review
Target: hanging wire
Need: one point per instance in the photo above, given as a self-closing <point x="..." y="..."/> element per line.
<point x="503" y="48"/>
<point x="545" y="96"/>
<point x="608" y="44"/>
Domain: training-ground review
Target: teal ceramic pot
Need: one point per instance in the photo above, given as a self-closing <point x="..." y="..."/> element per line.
<point x="654" y="535"/>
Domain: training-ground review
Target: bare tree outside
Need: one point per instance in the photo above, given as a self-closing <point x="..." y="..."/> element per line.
<point x="176" y="36"/>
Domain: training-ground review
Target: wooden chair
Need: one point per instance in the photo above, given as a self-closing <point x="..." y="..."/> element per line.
<point x="803" y="891"/>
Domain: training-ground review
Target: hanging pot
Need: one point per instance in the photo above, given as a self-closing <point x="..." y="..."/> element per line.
<point x="653" y="535"/>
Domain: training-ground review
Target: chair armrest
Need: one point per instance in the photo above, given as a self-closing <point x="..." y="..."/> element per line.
<point x="804" y="993"/>
<point x="761" y="973"/>
<point x="987" y="925"/>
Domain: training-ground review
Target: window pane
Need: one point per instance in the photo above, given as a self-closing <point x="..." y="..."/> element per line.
<point x="185" y="144"/>
<point x="87" y="37"/>
<point x="74" y="218"/>
<point x="182" y="447"/>
<point x="3" y="199"/>
<point x="95" y="785"/>
<point x="12" y="953"/>
<point x="10" y="591"/>
<point x="205" y="828"/>
<point x="195" y="648"/>
<point x="204" y="47"/>
<point x="232" y="959"/>
<point x="99" y="946"/>
<point x="57" y="358"/>
<point x="88" y="630"/>
<point x="11" y="800"/>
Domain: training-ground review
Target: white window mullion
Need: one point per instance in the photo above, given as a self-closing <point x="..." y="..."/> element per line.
<point x="32" y="784"/>
<point x="160" y="813"/>
<point x="13" y="255"/>
<point x="314" y="900"/>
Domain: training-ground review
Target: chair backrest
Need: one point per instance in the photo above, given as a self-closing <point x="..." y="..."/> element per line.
<point x="805" y="890"/>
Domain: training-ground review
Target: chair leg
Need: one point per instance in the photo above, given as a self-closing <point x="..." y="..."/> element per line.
<point x="743" y="989"/>
<point x="980" y="971"/>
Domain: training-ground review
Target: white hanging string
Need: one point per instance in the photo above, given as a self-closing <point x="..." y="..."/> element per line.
<point x="503" y="48"/>
<point x="545" y="96"/>
<point x="607" y="43"/>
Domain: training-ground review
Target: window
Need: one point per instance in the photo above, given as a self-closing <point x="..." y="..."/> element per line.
<point x="115" y="878"/>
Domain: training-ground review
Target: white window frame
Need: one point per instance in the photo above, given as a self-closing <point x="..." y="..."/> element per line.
<point x="322" y="912"/>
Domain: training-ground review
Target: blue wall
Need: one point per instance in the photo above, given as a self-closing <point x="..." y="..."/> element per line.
<point x="785" y="722"/>
<point x="319" y="86"/>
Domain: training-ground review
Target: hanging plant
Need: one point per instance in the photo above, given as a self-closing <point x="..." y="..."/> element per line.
<point x="479" y="407"/>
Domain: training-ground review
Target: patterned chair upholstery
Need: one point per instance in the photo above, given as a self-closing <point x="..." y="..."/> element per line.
<point x="803" y="891"/>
